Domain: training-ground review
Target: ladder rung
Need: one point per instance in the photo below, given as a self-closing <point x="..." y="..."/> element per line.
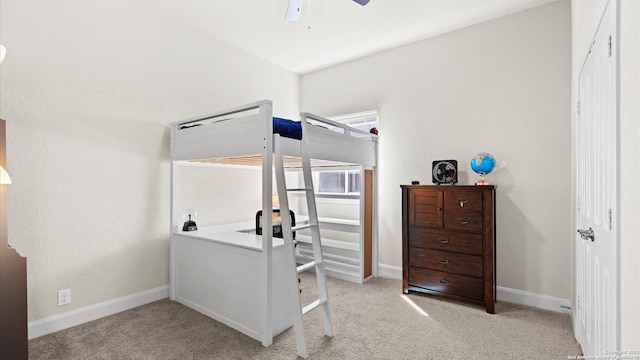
<point x="302" y="227"/>
<point x="312" y="306"/>
<point x="308" y="266"/>
<point x="300" y="189"/>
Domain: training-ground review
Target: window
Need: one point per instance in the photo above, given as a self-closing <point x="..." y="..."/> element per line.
<point x="339" y="182"/>
<point x="363" y="121"/>
<point x="346" y="181"/>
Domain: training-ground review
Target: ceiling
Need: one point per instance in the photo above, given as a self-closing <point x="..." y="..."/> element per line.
<point x="330" y="32"/>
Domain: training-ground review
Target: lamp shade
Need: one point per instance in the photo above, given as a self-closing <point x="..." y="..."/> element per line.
<point x="4" y="176"/>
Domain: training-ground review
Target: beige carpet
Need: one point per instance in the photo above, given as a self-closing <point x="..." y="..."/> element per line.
<point x="371" y="321"/>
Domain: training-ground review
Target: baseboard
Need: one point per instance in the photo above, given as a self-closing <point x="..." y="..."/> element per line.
<point x="83" y="315"/>
<point x="532" y="299"/>
<point x="342" y="275"/>
<point x="502" y="293"/>
<point x="390" y="272"/>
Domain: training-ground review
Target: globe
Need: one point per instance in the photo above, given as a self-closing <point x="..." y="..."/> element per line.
<point x="482" y="164"/>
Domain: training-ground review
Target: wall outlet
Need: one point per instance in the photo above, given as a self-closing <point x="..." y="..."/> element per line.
<point x="64" y="297"/>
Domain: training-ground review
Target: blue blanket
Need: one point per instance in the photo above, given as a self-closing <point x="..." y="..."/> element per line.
<point x="287" y="128"/>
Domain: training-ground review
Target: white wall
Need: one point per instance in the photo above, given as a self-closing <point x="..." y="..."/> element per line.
<point x="502" y="87"/>
<point x="88" y="89"/>
<point x="585" y="14"/>
<point x="205" y="190"/>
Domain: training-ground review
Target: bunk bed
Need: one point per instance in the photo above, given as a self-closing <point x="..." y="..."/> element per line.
<point x="227" y="271"/>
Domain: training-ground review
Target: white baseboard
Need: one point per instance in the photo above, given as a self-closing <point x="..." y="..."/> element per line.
<point x="83" y="315"/>
<point x="502" y="293"/>
<point x="532" y="299"/>
<point x="390" y="272"/>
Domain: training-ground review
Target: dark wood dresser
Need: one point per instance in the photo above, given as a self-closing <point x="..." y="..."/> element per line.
<point x="448" y="242"/>
<point x="13" y="283"/>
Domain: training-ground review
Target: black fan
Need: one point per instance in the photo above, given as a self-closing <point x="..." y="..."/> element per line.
<point x="445" y="172"/>
<point x="295" y="6"/>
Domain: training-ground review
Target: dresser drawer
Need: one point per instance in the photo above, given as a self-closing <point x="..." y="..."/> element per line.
<point x="469" y="265"/>
<point x="445" y="240"/>
<point x="463" y="200"/>
<point x="466" y="286"/>
<point x="465" y="221"/>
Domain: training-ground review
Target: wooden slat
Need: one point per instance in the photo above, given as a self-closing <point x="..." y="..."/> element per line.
<point x="290" y="162"/>
<point x="368" y="223"/>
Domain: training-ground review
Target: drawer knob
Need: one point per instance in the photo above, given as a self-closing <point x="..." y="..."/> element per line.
<point x="463" y="221"/>
<point x="439" y="209"/>
<point x="462" y="201"/>
<point x="443" y="240"/>
<point x="443" y="261"/>
<point x="445" y="281"/>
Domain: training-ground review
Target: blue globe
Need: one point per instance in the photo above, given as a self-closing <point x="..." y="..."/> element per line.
<point x="483" y="163"/>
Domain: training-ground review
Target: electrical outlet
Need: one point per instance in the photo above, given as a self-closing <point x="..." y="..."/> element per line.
<point x="64" y="297"/>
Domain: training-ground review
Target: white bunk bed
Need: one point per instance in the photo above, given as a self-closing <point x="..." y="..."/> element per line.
<point x="227" y="271"/>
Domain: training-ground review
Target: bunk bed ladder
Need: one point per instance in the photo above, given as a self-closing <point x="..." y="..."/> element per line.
<point x="287" y="231"/>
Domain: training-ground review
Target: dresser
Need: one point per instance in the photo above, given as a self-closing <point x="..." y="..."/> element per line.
<point x="448" y="242"/>
<point x="13" y="282"/>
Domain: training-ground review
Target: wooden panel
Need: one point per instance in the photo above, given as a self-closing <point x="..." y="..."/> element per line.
<point x="13" y="282"/>
<point x="447" y="283"/>
<point x="489" y="232"/>
<point x="466" y="243"/>
<point x="426" y="208"/>
<point x="405" y="238"/>
<point x="463" y="200"/>
<point x="462" y="264"/>
<point x="368" y="224"/>
<point x="465" y="221"/>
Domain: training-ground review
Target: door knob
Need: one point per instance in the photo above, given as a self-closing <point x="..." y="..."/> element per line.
<point x="587" y="234"/>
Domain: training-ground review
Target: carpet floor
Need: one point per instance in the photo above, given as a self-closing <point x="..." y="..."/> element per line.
<point x="371" y="321"/>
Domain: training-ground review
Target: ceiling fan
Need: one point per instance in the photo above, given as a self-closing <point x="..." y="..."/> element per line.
<point x="295" y="6"/>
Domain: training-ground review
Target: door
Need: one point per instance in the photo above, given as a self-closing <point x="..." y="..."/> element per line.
<point x="596" y="316"/>
<point x="426" y="208"/>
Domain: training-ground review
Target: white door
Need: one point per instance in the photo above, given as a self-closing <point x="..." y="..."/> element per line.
<point x="596" y="316"/>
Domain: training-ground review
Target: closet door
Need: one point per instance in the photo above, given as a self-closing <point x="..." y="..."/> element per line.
<point x="596" y="241"/>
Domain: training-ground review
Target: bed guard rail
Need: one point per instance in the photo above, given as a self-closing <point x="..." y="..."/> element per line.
<point x="240" y="109"/>
<point x="346" y="129"/>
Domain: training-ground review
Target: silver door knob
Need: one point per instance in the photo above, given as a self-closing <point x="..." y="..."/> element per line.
<point x="587" y="234"/>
